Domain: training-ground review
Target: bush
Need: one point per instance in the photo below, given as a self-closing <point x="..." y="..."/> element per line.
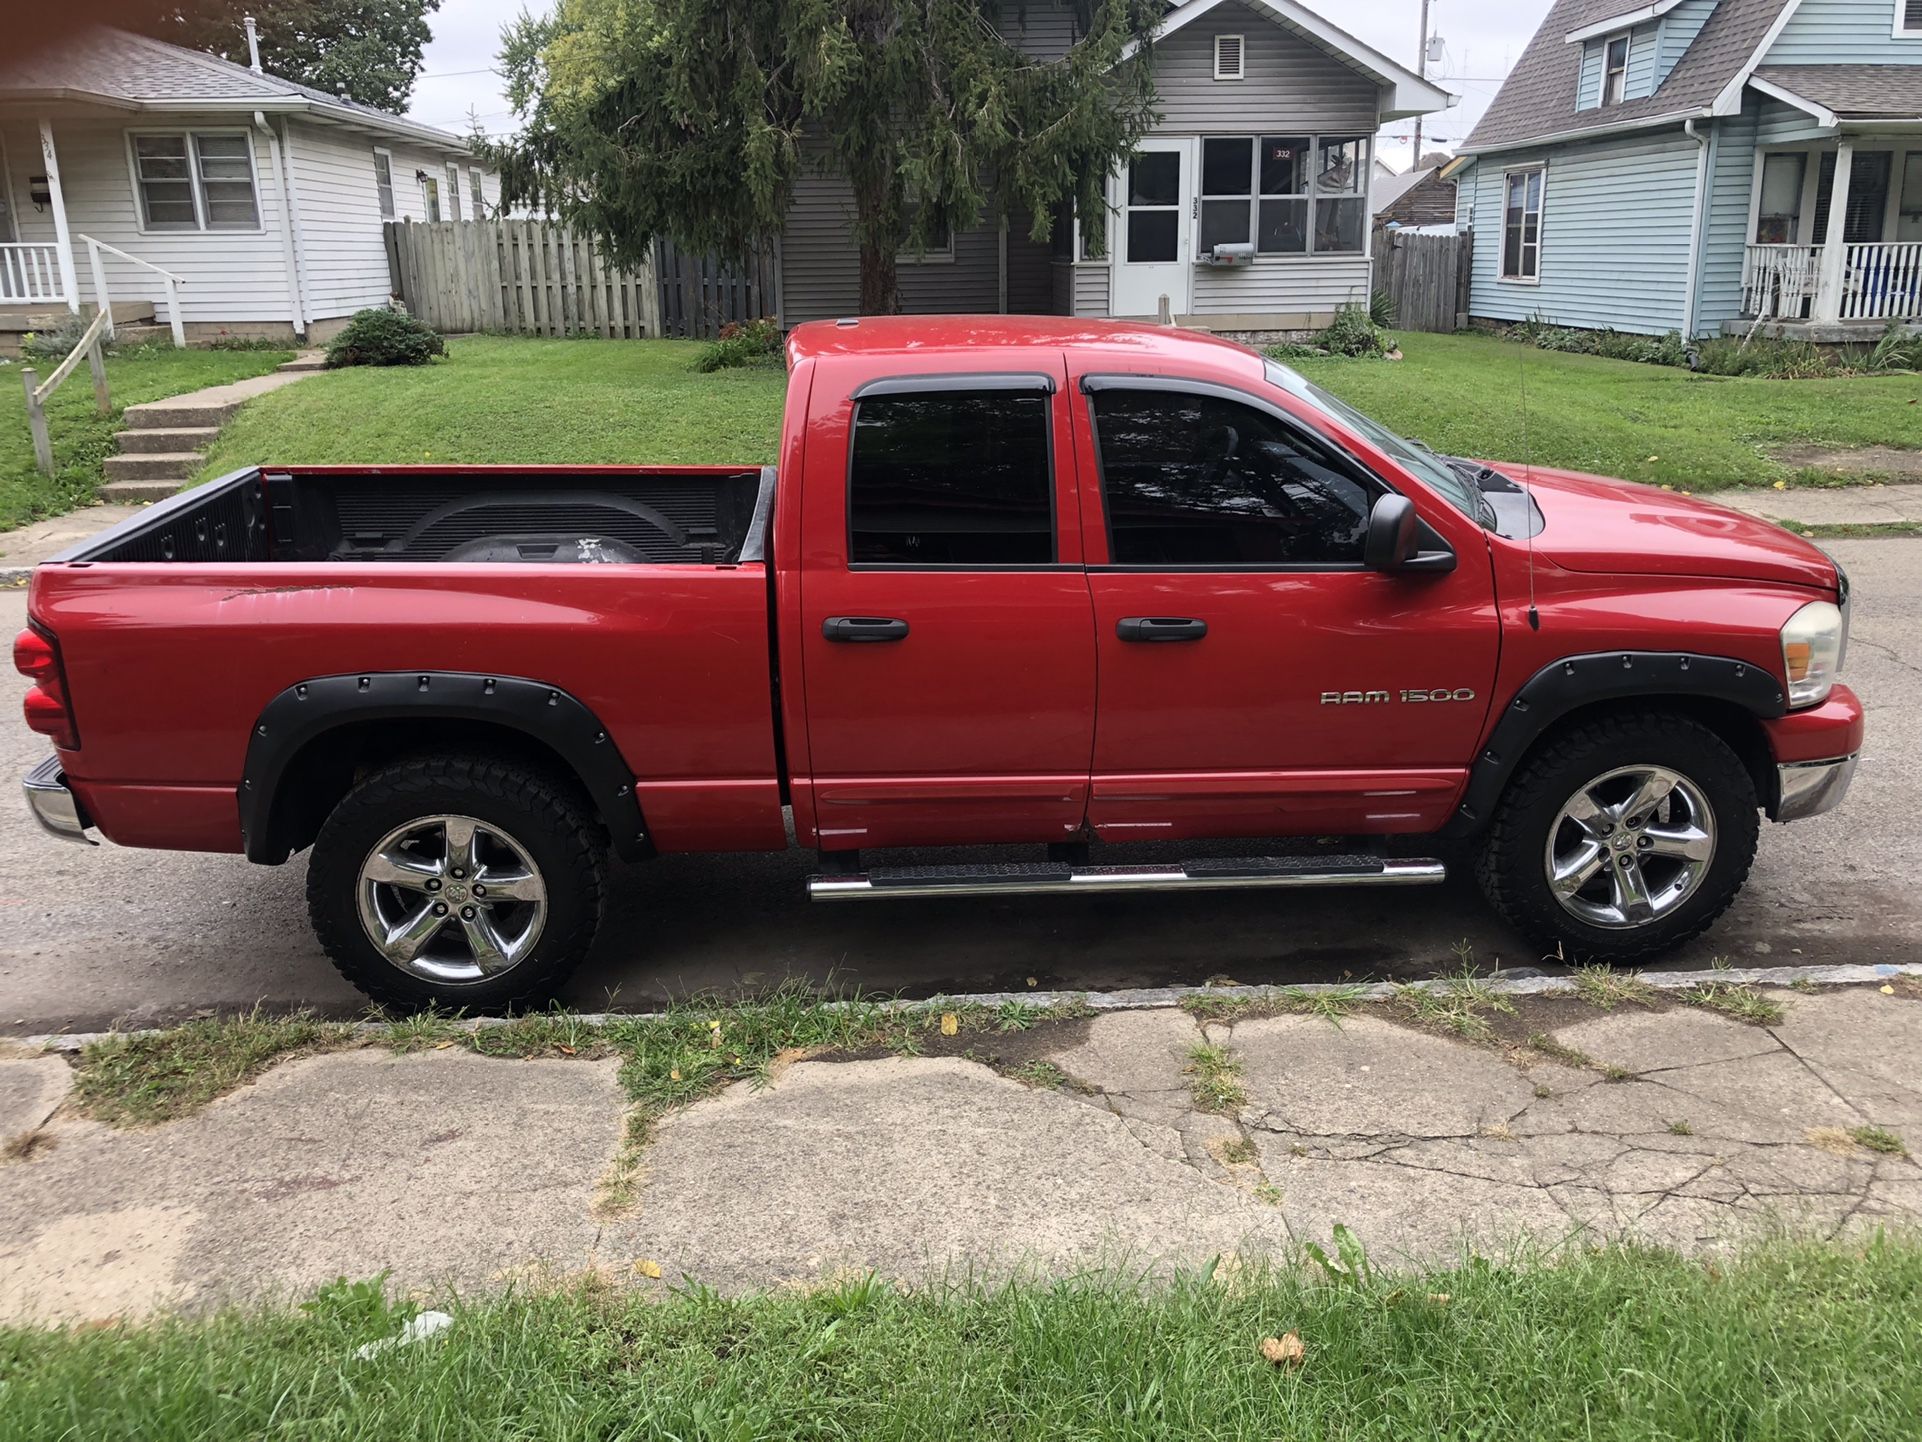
<point x="378" y="337"/>
<point x="742" y="343"/>
<point x="1355" y="333"/>
<point x="1720" y="356"/>
<point x="1899" y="349"/>
<point x="54" y="343"/>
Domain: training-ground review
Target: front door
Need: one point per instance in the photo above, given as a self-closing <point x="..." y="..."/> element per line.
<point x="1256" y="678"/>
<point x="947" y="643"/>
<point x="1154" y="196"/>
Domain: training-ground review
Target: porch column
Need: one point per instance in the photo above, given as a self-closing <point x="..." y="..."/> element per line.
<point x="63" y="241"/>
<point x="1828" y="289"/>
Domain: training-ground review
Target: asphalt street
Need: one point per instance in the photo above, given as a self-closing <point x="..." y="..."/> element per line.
<point x="96" y="936"/>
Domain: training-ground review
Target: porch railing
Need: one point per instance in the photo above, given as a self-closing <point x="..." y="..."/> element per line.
<point x="30" y="273"/>
<point x="1883" y="282"/>
<point x="1880" y="281"/>
<point x="1779" y="281"/>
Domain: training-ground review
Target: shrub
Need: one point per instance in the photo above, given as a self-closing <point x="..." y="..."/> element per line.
<point x="54" y="343"/>
<point x="742" y="343"/>
<point x="1899" y="349"/>
<point x="378" y="337"/>
<point x="1355" y="333"/>
<point x="1381" y="309"/>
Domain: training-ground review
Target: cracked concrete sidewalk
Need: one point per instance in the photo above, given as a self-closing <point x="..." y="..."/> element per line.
<point x="1677" y="1126"/>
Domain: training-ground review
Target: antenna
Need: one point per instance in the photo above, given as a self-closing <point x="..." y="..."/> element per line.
<point x="1528" y="486"/>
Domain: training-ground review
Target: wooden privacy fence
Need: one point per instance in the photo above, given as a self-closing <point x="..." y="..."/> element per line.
<point x="1426" y="276"/>
<point x="519" y="277"/>
<point x="539" y="277"/>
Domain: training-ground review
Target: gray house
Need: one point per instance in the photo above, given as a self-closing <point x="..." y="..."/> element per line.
<point x="1704" y="166"/>
<point x="1246" y="209"/>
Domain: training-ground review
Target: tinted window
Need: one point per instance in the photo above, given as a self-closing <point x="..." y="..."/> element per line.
<point x="956" y="478"/>
<point x="1199" y="481"/>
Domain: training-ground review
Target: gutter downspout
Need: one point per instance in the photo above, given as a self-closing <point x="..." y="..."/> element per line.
<point x="1697" y="218"/>
<point x="289" y="245"/>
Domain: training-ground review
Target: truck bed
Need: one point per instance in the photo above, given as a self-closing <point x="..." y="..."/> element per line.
<point x="642" y="592"/>
<point x="698" y="515"/>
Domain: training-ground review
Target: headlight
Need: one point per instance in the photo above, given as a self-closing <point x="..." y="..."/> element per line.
<point x="1812" y="643"/>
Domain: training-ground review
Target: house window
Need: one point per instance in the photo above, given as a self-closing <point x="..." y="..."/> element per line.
<point x="1289" y="194"/>
<point x="453" y="193"/>
<point x="1614" y="70"/>
<point x="384" y="183"/>
<point x="940" y="239"/>
<point x="1228" y="57"/>
<point x="951" y="478"/>
<point x="1908" y="219"/>
<point x="195" y="180"/>
<point x="1908" y="18"/>
<point x="477" y="192"/>
<point x="1778" y="219"/>
<point x="430" y="197"/>
<point x="1522" y="226"/>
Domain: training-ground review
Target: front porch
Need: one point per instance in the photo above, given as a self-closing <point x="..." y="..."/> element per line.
<point x="1835" y="239"/>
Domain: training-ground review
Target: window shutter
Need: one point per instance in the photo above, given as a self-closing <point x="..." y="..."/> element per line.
<point x="1228" y="54"/>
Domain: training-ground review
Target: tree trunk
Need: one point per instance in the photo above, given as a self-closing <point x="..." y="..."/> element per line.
<point x="871" y="182"/>
<point x="880" y="294"/>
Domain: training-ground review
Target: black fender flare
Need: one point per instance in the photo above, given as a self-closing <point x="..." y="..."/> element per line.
<point x="310" y="709"/>
<point x="1576" y="681"/>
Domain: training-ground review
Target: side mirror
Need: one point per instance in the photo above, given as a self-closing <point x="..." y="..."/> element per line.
<point x="1394" y="536"/>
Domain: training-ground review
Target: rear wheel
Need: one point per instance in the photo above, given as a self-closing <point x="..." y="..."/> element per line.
<point x="466" y="882"/>
<point x="1622" y="838"/>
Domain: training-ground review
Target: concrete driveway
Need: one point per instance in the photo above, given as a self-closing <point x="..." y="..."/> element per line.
<point x="93" y="936"/>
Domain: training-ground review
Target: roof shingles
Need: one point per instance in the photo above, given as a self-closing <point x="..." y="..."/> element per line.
<point x="1538" y="98"/>
<point x="1864" y="91"/>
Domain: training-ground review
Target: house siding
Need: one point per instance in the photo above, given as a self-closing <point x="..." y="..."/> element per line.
<point x="1615" y="235"/>
<point x="1644" y="48"/>
<point x="1725" y="230"/>
<point x="1090" y="285"/>
<point x="1306" y="290"/>
<point x="1844" y="32"/>
<point x="1291" y="84"/>
<point x="1678" y="31"/>
<point x="232" y="276"/>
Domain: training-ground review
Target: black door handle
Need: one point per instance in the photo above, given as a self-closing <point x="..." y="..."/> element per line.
<point x="864" y="628"/>
<point x="1160" y="628"/>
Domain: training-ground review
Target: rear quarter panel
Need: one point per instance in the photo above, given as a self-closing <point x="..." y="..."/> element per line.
<point x="169" y="666"/>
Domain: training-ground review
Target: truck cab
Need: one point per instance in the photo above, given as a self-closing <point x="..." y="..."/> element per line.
<point x="1052" y="585"/>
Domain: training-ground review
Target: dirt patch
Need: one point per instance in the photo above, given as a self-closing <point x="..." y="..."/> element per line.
<point x="1002" y="1050"/>
<point x="1854" y="460"/>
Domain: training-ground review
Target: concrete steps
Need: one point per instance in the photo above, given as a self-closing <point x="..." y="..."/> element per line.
<point x="165" y="442"/>
<point x="304" y="362"/>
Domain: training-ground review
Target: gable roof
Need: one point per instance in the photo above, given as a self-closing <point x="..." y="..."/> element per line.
<point x="125" y="71"/>
<point x="1409" y="94"/>
<point x="1850" y="92"/>
<point x="1537" y="101"/>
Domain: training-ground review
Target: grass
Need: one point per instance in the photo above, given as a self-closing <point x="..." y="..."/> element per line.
<point x="1605" y="988"/>
<point x="1735" y="999"/>
<point x="82" y="440"/>
<point x="504" y="399"/>
<point x="1462" y="394"/>
<point x="1215" y="1079"/>
<point x="1330" y="1003"/>
<point x="1458" y="1003"/>
<point x="1795" y="1343"/>
<point x="140" y="1080"/>
<point x="1879" y="1139"/>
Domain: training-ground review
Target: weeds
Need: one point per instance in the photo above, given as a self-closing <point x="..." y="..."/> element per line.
<point x="1606" y="989"/>
<point x="1457" y="1003"/>
<point x="1556" y="1051"/>
<point x="1331" y="1003"/>
<point x="1734" y="999"/>
<point x="138" y="1080"/>
<point x="1216" y="1074"/>
<point x="1879" y="1139"/>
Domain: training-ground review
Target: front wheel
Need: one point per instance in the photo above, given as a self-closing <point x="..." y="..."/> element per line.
<point x="1622" y="838"/>
<point x="465" y="882"/>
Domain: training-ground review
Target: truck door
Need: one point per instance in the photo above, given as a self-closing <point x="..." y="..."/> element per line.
<point x="947" y="637"/>
<point x="1256" y="679"/>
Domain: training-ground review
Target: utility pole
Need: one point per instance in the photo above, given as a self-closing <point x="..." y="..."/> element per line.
<point x="1421" y="69"/>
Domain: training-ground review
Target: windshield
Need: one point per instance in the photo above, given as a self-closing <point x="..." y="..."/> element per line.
<point x="1461" y="491"/>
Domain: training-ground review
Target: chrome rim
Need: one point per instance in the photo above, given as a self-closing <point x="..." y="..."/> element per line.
<point x="451" y="899"/>
<point x="1630" y="846"/>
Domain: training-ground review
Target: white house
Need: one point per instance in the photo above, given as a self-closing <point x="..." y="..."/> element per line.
<point x="127" y="161"/>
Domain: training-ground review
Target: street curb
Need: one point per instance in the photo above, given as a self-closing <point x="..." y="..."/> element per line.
<point x="12" y="578"/>
<point x="1505" y="983"/>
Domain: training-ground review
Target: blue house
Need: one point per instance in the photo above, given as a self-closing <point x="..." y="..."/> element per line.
<point x="1705" y="166"/>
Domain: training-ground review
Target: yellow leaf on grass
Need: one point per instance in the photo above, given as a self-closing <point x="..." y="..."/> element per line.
<point x="648" y="1268"/>
<point x="1781" y="485"/>
<point x="442" y="1045"/>
<point x="674" y="1075"/>
<point x="950" y="1023"/>
<point x="1285" y="1350"/>
<point x="1440" y="1299"/>
<point x="1887" y="990"/>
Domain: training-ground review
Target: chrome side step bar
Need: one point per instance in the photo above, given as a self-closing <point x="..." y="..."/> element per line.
<point x="1046" y="878"/>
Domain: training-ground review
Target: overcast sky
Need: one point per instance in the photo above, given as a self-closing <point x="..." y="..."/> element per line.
<point x="1480" y="39"/>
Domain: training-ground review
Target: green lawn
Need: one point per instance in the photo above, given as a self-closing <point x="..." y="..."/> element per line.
<point x="1463" y="394"/>
<point x="1792" y="1344"/>
<point x="518" y="400"/>
<point x="503" y="399"/>
<point x="82" y="439"/>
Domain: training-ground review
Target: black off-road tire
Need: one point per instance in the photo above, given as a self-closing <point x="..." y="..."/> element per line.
<point x="1511" y="866"/>
<point x="544" y="811"/>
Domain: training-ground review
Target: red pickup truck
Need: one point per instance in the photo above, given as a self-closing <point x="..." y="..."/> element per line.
<point x="1044" y="584"/>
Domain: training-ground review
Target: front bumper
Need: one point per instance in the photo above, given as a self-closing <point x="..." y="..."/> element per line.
<point x="1808" y="788"/>
<point x="53" y="805"/>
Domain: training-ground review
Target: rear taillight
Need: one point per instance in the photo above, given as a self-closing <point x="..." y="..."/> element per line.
<point x="36" y="657"/>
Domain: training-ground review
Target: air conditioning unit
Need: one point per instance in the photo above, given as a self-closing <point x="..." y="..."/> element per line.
<point x="1239" y="253"/>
